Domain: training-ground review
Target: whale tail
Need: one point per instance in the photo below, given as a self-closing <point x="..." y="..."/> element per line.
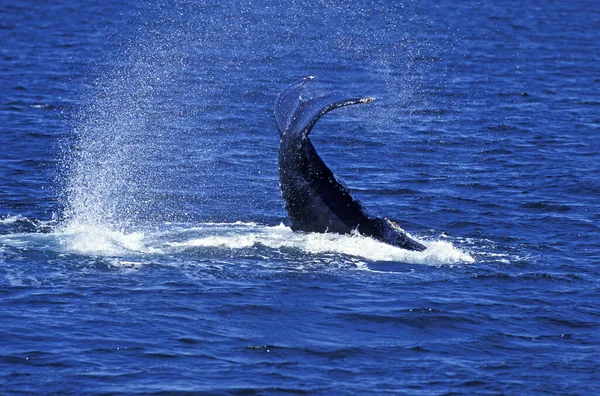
<point x="316" y="200"/>
<point x="296" y="115"/>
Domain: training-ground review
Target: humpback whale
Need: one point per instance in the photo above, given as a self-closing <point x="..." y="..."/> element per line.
<point x="315" y="200"/>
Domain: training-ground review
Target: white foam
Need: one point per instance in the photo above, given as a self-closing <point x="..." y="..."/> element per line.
<point x="129" y="247"/>
<point x="278" y="237"/>
<point x="126" y="266"/>
<point x="230" y="242"/>
<point x="99" y="240"/>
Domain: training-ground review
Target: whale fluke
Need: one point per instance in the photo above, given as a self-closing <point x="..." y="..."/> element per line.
<point x="315" y="200"/>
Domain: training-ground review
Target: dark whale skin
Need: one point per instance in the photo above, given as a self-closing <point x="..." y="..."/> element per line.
<point x="315" y="200"/>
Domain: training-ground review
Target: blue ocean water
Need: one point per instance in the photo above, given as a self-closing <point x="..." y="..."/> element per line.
<point x="144" y="245"/>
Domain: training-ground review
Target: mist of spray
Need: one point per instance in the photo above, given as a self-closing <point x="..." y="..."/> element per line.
<point x="147" y="110"/>
<point x="116" y="163"/>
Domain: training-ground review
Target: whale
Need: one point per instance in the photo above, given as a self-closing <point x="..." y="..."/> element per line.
<point x="315" y="199"/>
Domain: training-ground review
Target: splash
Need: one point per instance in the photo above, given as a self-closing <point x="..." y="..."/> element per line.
<point x="230" y="240"/>
<point x="119" y="136"/>
<point x="243" y="236"/>
<point x="102" y="241"/>
<point x="127" y="167"/>
<point x="118" y="165"/>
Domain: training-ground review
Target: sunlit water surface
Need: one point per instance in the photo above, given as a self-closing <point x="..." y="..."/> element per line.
<point x="144" y="246"/>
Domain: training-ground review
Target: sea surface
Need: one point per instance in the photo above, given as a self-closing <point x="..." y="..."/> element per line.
<point x="145" y="248"/>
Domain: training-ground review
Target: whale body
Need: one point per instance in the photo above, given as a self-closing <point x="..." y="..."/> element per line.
<point x="315" y="199"/>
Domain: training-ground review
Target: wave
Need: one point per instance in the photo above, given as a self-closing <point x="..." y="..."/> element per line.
<point x="11" y="219"/>
<point x="21" y="224"/>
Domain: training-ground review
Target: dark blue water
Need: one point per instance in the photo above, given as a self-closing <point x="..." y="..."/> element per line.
<point x="143" y="239"/>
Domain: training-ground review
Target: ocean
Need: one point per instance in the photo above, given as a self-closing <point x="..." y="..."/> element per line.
<point x="144" y="244"/>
